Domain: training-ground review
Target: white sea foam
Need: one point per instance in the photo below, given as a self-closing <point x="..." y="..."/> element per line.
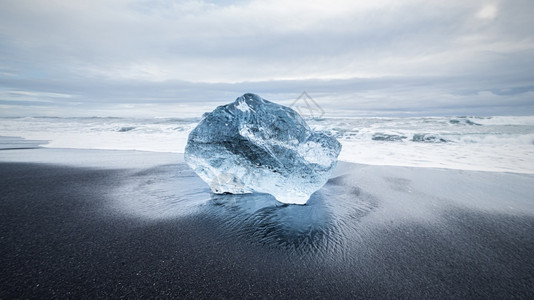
<point x="504" y="144"/>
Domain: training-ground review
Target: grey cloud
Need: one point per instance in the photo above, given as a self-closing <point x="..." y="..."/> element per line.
<point x="396" y="57"/>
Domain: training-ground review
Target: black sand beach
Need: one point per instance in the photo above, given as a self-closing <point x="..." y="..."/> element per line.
<point x="71" y="231"/>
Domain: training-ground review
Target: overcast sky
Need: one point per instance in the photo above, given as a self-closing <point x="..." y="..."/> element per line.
<point x="176" y="58"/>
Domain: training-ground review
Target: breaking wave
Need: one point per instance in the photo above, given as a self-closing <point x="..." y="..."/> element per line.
<point x="482" y="143"/>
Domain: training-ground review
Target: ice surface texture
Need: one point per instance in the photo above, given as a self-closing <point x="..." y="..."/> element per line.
<point x="255" y="145"/>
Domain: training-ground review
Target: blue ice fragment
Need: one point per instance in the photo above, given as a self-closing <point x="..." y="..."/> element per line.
<point x="256" y="145"/>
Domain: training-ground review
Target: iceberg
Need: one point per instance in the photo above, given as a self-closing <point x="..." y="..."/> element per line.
<point x="254" y="145"/>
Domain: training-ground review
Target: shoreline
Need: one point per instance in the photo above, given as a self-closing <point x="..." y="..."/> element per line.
<point x="54" y="155"/>
<point x="137" y="224"/>
<point x="496" y="144"/>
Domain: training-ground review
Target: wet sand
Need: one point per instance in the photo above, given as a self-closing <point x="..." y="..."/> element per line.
<point x="84" y="231"/>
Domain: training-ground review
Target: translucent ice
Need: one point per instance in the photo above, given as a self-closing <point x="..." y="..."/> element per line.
<point x="255" y="145"/>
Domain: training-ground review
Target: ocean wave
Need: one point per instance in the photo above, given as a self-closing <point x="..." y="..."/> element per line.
<point x="494" y="139"/>
<point x="468" y="130"/>
<point x="506" y="120"/>
<point x="405" y="141"/>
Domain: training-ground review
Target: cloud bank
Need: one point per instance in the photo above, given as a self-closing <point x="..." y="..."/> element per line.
<point x="169" y="58"/>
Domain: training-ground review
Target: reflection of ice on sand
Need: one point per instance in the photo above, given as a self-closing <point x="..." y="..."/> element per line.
<point x="175" y="191"/>
<point x="353" y="206"/>
<point x="331" y="214"/>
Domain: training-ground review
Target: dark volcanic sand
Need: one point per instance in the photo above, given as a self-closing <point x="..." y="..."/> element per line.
<point x="61" y="237"/>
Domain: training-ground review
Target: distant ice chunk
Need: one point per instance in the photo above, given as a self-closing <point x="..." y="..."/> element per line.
<point x="255" y="145"/>
<point x="428" y="138"/>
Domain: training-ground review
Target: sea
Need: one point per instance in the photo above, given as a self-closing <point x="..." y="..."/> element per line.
<point x="491" y="143"/>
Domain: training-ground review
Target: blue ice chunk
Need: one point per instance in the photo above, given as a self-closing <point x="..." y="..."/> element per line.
<point x="256" y="145"/>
